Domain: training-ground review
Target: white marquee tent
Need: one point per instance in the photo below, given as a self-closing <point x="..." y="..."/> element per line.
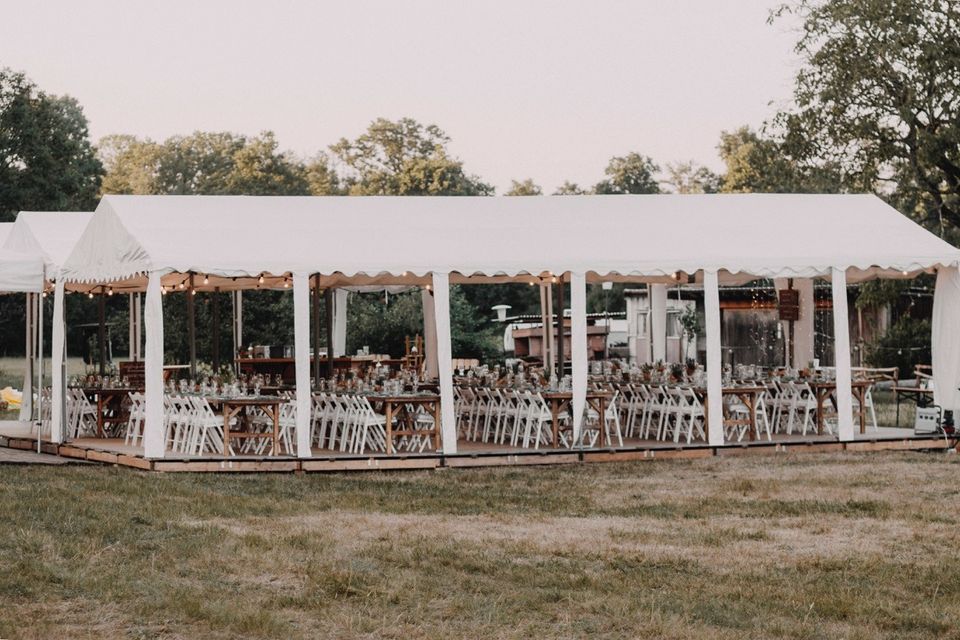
<point x="150" y="242"/>
<point x="31" y="252"/>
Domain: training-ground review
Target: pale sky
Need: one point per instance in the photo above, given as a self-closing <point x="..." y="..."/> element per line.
<point x="543" y="89"/>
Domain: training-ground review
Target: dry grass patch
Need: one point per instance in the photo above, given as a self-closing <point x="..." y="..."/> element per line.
<point x="800" y="546"/>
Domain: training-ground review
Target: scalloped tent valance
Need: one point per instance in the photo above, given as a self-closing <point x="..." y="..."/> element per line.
<point x="763" y="235"/>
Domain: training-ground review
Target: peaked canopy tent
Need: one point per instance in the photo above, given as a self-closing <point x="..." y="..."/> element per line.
<point x="151" y="242"/>
<point x="33" y="248"/>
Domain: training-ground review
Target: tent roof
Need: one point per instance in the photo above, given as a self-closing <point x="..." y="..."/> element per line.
<point x="49" y="234"/>
<point x="764" y="235"/>
<point x="19" y="272"/>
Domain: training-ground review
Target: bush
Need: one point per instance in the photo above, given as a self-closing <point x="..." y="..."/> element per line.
<point x="906" y="343"/>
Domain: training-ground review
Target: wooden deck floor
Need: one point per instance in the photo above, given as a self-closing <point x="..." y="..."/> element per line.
<point x="114" y="451"/>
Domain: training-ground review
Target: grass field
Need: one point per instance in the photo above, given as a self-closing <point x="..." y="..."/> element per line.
<point x="797" y="546"/>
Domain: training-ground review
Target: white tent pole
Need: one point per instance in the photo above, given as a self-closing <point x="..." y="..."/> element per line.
<point x="340" y="297"/>
<point x="841" y="344"/>
<point x="26" y="402"/>
<point x="578" y="350"/>
<point x="658" y="321"/>
<point x="40" y="364"/>
<point x="945" y="340"/>
<point x="58" y="366"/>
<point x="441" y="306"/>
<point x="711" y="303"/>
<point x="429" y="335"/>
<point x="154" y="444"/>
<point x="301" y="352"/>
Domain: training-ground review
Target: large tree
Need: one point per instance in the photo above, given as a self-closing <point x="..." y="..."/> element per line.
<point x="763" y="164"/>
<point x="632" y="173"/>
<point x="405" y="158"/>
<point x="524" y="188"/>
<point x="689" y="177"/>
<point x="46" y="160"/>
<point x="878" y="94"/>
<point x="204" y="163"/>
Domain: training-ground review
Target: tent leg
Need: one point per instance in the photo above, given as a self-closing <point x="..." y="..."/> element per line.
<point x="441" y="307"/>
<point x="578" y="351"/>
<point x="711" y="301"/>
<point x="301" y="340"/>
<point x="58" y="367"/>
<point x="841" y="342"/>
<point x="39" y="297"/>
<point x="154" y="437"/>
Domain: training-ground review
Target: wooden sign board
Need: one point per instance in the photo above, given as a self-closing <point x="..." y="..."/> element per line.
<point x="789" y="304"/>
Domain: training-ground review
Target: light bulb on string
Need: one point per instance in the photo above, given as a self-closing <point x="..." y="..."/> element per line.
<point x="260" y="279"/>
<point x="206" y="280"/>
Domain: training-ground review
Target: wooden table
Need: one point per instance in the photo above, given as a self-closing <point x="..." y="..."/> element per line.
<point x="827" y="389"/>
<point x="748" y="395"/>
<point x="238" y="408"/>
<point x="560" y="402"/>
<point x="402" y="407"/>
<point x="109" y="398"/>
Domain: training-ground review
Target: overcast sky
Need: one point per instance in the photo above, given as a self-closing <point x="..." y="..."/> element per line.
<point x="543" y="89"/>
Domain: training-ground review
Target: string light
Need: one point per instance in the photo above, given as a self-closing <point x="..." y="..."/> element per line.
<point x="183" y="286"/>
<point x="286" y="284"/>
<point x="90" y="295"/>
<point x="206" y="280"/>
<point x="260" y="279"/>
<point x="110" y="291"/>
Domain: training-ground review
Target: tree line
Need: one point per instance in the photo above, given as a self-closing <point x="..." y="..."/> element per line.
<point x="876" y="108"/>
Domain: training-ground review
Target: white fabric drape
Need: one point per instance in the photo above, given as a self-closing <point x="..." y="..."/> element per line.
<point x="26" y="403"/>
<point x="135" y="326"/>
<point x="711" y="303"/>
<point x="58" y="366"/>
<point x="441" y="306"/>
<point x="658" y="321"/>
<point x="841" y="338"/>
<point x="429" y="335"/>
<point x="578" y="349"/>
<point x="237" y="300"/>
<point x="546" y="325"/>
<point x="945" y="340"/>
<point x="301" y="342"/>
<point x="340" y="297"/>
<point x="153" y="431"/>
<point x="803" y="331"/>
